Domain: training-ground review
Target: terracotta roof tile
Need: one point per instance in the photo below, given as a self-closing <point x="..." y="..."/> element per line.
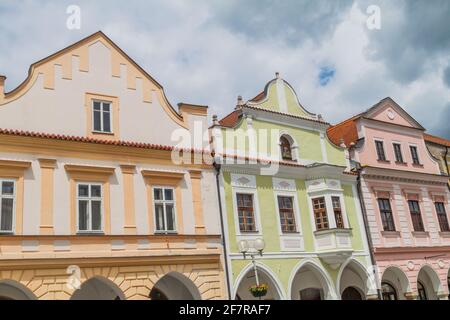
<point x="437" y="140"/>
<point x="345" y="130"/>
<point x="94" y="140"/>
<point x="230" y="120"/>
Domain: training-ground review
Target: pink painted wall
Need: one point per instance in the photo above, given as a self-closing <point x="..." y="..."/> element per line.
<point x="406" y="137"/>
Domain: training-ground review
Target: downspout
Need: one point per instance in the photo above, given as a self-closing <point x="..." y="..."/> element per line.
<point x="366" y="223"/>
<point x="222" y="227"/>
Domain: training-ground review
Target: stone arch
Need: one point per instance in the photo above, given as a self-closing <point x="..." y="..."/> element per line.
<point x="176" y="286"/>
<point x="13" y="290"/>
<point x="265" y="275"/>
<point x="98" y="288"/>
<point x="353" y="274"/>
<point x="395" y="277"/>
<point x="431" y="282"/>
<point x="316" y="278"/>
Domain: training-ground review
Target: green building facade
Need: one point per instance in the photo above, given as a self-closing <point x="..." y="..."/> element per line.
<point x="283" y="181"/>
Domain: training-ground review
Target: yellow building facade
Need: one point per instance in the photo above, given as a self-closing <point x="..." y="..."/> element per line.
<point x="93" y="205"/>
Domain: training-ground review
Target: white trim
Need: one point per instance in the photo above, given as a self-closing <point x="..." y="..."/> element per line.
<point x="268" y="272"/>
<point x="370" y="284"/>
<point x="256" y="216"/>
<point x="13" y="196"/>
<point x="281" y="95"/>
<point x="298" y="234"/>
<point x="89" y="198"/>
<point x="330" y="295"/>
<point x="102" y="102"/>
<point x="164" y="202"/>
<point x="294" y="255"/>
<point x="323" y="148"/>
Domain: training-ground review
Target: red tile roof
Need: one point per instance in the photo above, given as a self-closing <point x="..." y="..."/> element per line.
<point x="345" y="130"/>
<point x="258" y="98"/>
<point x="230" y="120"/>
<point x="437" y="140"/>
<point x="94" y="140"/>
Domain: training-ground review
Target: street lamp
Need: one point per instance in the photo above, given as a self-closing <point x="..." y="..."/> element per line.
<point x="252" y="249"/>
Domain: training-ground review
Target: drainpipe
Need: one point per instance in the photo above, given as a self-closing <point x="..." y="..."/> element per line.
<point x="365" y="220"/>
<point x="366" y="225"/>
<point x="222" y="227"/>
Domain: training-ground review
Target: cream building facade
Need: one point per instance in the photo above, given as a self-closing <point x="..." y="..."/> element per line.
<point x="92" y="204"/>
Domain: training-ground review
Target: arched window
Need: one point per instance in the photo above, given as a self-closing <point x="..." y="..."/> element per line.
<point x="421" y="290"/>
<point x="286" y="148"/>
<point x="389" y="292"/>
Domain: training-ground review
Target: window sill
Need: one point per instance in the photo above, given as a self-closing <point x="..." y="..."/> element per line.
<point x="420" y="234"/>
<point x="391" y="234"/>
<point x="166" y="233"/>
<point x="383" y="161"/>
<point x="444" y="234"/>
<point x="401" y="163"/>
<point x="290" y="233"/>
<point x="333" y="230"/>
<point x="103" y="133"/>
<point x="90" y="233"/>
<point x="6" y="233"/>
<point x="417" y="165"/>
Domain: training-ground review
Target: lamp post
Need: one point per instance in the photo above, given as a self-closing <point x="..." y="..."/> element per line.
<point x="256" y="248"/>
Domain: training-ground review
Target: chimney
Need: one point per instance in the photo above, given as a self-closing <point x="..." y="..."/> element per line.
<point x="215" y="119"/>
<point x="240" y="102"/>
<point x="277" y="75"/>
<point x="342" y="143"/>
<point x="2" y="87"/>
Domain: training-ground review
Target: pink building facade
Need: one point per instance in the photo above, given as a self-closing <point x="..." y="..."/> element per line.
<point x="406" y="201"/>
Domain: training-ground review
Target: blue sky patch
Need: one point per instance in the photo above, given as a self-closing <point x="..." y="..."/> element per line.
<point x="325" y="75"/>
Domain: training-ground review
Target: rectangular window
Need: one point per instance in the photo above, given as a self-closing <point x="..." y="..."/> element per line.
<point x="164" y="204"/>
<point x="338" y="212"/>
<point x="380" y="150"/>
<point x="414" y="154"/>
<point x="7" y="194"/>
<point x="398" y="152"/>
<point x="386" y="214"/>
<point x="287" y="218"/>
<point x="442" y="216"/>
<point x="246" y="214"/>
<point x="89" y="207"/>
<point x="101" y="116"/>
<point x="320" y="213"/>
<point x="416" y="217"/>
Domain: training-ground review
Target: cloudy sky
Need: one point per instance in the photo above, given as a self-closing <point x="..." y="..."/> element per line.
<point x="209" y="52"/>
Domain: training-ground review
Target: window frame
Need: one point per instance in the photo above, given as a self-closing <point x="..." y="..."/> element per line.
<point x="383" y="158"/>
<point x="164" y="202"/>
<point x="324" y="214"/>
<point x="294" y="213"/>
<point x="253" y="213"/>
<point x="13" y="196"/>
<point x="102" y="102"/>
<point x="415" y="160"/>
<point x="90" y="199"/>
<point x="418" y="214"/>
<point x="340" y="212"/>
<point x="443" y="214"/>
<point x="398" y="154"/>
<point x="383" y="212"/>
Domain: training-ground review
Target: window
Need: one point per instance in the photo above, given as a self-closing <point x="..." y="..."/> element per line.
<point x="421" y="290"/>
<point x="414" y="154"/>
<point x="416" y="217"/>
<point x="442" y="216"/>
<point x="320" y="213"/>
<point x="380" y="150"/>
<point x="245" y="212"/>
<point x="101" y="116"/>
<point x="286" y="149"/>
<point x="7" y="195"/>
<point x="164" y="204"/>
<point x="389" y="292"/>
<point x="386" y="214"/>
<point x="89" y="207"/>
<point x="287" y="218"/>
<point x="338" y="212"/>
<point x="398" y="152"/>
